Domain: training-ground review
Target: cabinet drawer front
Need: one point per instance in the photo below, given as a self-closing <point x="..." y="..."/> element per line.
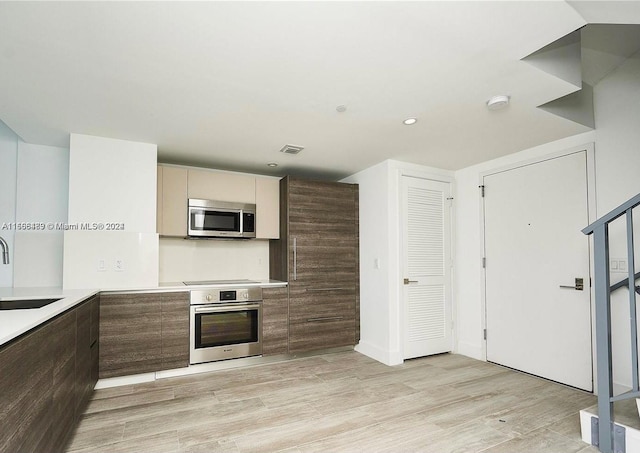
<point x="321" y="334"/>
<point x="324" y="302"/>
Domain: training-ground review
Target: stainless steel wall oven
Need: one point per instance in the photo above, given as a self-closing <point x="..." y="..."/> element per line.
<point x="226" y="323"/>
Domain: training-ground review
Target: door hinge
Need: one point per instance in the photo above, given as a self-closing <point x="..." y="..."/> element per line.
<point x="484" y="333"/>
<point x="484" y="262"/>
<point x="481" y="191"/>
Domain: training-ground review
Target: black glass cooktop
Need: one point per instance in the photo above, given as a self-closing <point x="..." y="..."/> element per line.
<point x="220" y="282"/>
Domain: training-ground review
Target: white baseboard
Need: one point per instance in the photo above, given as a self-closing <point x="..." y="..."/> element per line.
<point x="124" y="380"/>
<point x="385" y="356"/>
<point x="470" y="350"/>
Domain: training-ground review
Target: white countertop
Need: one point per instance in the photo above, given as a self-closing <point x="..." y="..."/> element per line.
<point x="181" y="286"/>
<point x="14" y="323"/>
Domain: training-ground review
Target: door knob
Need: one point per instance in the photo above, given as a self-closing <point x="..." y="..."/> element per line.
<point x="579" y="285"/>
<point x="407" y="281"/>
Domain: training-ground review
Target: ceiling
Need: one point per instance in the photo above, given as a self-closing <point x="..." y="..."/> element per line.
<point x="228" y="84"/>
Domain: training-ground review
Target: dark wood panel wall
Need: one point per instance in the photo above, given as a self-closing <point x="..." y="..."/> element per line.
<point x="317" y="253"/>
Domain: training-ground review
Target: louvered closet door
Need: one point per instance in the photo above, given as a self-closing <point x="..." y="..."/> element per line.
<point x="427" y="267"/>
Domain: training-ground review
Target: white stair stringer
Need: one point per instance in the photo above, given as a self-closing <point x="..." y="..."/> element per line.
<point x="626" y="416"/>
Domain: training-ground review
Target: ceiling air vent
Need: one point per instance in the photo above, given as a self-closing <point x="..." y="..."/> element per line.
<point x="291" y="149"/>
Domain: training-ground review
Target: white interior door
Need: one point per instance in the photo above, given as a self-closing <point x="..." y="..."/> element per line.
<point x="533" y="247"/>
<point x="427" y="267"/>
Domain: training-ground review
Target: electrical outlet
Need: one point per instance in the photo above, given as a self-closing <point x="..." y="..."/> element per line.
<point x="618" y="266"/>
<point x="119" y="266"/>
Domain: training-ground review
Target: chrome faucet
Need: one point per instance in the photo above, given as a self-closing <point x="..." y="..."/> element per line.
<point x="5" y="251"/>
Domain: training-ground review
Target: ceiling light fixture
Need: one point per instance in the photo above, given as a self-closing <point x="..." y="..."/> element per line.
<point x="498" y="102"/>
<point x="341" y="108"/>
<point x="410" y="121"/>
<point x="272" y="164"/>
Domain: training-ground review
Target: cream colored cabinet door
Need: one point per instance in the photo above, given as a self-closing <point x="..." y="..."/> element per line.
<point x="212" y="185"/>
<point x="267" y="208"/>
<point x="172" y="201"/>
<point x="159" y="201"/>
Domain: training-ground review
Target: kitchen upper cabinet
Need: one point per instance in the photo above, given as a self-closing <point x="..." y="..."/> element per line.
<point x="143" y="333"/>
<point x="177" y="184"/>
<point x="318" y="255"/>
<point x="172" y="201"/>
<point x="275" y="322"/>
<point x="212" y="185"/>
<point x="267" y="208"/>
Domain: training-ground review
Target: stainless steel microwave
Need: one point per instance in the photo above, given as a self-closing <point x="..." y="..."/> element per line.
<point x="220" y="219"/>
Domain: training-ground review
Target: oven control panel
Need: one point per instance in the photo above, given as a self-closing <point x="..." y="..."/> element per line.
<point x="225" y="295"/>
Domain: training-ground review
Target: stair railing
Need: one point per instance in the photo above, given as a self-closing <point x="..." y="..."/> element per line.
<point x="603" y="290"/>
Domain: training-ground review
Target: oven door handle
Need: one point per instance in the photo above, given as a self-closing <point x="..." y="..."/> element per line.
<point x="225" y="307"/>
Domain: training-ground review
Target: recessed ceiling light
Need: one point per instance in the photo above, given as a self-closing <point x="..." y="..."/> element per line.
<point x="272" y="164"/>
<point x="410" y="121"/>
<point x="341" y="108"/>
<point x="498" y="102"/>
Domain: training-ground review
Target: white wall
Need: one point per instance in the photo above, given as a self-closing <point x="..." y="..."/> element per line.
<point x="376" y="312"/>
<point x="111" y="182"/>
<point x="189" y="260"/>
<point x="381" y="289"/>
<point x="8" y="163"/>
<point x="617" y="168"/>
<point x="42" y="197"/>
<point x="617" y="110"/>
<point x="469" y="245"/>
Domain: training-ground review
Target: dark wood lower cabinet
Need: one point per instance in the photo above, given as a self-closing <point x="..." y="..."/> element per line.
<point x="175" y="330"/>
<point x="143" y="333"/>
<point x="65" y="372"/>
<point x="321" y="318"/>
<point x="40" y="378"/>
<point x="321" y="333"/>
<point x="275" y="322"/>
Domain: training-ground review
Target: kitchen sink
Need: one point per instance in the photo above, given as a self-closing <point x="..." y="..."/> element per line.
<point x="22" y="304"/>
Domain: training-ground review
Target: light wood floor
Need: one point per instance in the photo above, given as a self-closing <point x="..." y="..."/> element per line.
<point x="342" y="402"/>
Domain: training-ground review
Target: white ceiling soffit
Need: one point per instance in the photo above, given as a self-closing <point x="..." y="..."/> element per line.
<point x="608" y="11"/>
<point x="561" y="58"/>
<point x="227" y="84"/>
<point x="605" y="47"/>
<point x="577" y="106"/>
